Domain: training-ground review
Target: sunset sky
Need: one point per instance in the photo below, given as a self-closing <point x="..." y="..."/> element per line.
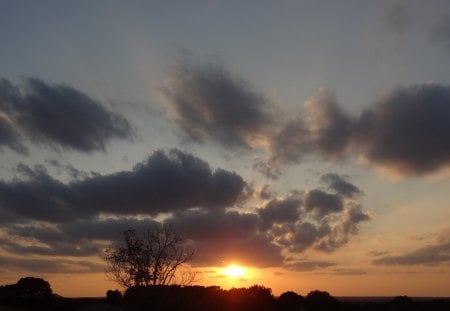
<point x="306" y="144"/>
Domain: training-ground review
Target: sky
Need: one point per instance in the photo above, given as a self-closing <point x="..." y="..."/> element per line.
<point x="307" y="142"/>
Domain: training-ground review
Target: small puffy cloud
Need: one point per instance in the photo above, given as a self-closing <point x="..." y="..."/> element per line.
<point x="207" y="101"/>
<point x="321" y="203"/>
<point x="283" y="210"/>
<point x="329" y="127"/>
<point x="339" y="184"/>
<point x="165" y="182"/>
<point x="56" y="115"/>
<point x="323" y="129"/>
<point x="316" y="219"/>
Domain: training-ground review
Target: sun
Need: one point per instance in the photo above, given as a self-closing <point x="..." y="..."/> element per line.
<point x="234" y="271"/>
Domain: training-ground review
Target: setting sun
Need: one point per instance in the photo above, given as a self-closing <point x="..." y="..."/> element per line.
<point x="235" y="271"/>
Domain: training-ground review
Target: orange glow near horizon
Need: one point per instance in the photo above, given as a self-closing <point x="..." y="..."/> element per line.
<point x="234" y="271"/>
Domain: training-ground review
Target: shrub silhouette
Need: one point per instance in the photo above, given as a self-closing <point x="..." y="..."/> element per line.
<point x="114" y="297"/>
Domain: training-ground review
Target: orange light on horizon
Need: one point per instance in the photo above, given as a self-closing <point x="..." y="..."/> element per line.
<point x="234" y="271"/>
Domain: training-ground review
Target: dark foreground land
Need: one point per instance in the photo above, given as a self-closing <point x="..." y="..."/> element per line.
<point x="35" y="294"/>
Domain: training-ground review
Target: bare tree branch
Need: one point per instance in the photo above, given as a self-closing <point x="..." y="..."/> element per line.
<point x="152" y="257"/>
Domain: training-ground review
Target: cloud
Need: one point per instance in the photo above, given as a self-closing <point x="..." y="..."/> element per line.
<point x="426" y="255"/>
<point x="227" y="236"/>
<point x="340" y="185"/>
<point x="206" y="101"/>
<point x="37" y="197"/>
<point x="308" y="265"/>
<point x="9" y="135"/>
<point x="324" y="221"/>
<point x="218" y="235"/>
<point x="67" y="168"/>
<point x="321" y="203"/>
<point x="402" y="131"/>
<point x="54" y="265"/>
<point x="165" y="182"/>
<point x="324" y="129"/>
<point x="56" y="115"/>
<point x="281" y="210"/>
<point x="86" y="237"/>
<point x="440" y="33"/>
<point x="406" y="130"/>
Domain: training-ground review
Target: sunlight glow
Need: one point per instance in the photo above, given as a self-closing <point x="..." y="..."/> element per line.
<point x="234" y="271"/>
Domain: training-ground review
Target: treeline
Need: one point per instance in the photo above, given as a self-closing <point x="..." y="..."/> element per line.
<point x="36" y="294"/>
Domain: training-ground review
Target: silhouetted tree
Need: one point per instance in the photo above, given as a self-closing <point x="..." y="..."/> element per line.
<point x="151" y="257"/>
<point x="320" y="300"/>
<point x="28" y="292"/>
<point x="31" y="286"/>
<point x="290" y="301"/>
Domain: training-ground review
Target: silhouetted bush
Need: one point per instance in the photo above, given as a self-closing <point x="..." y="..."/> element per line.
<point x="114" y="297"/>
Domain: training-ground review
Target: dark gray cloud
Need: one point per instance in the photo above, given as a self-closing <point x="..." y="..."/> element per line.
<point x="281" y="210"/>
<point x="37" y="197"/>
<point x="427" y="255"/>
<point x="321" y="203"/>
<point x="56" y="115"/>
<point x="339" y="184"/>
<point x="324" y="221"/>
<point x="440" y="33"/>
<point x="255" y="238"/>
<point x="206" y="101"/>
<point x="407" y="129"/>
<point x="163" y="183"/>
<point x="403" y="130"/>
